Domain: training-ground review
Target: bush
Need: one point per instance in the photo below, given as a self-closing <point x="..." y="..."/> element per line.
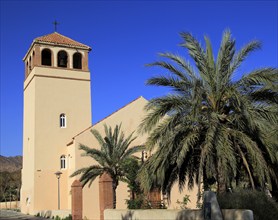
<point x="184" y="203"/>
<point x="66" y="218"/>
<point x="263" y="207"/>
<point x="134" y="203"/>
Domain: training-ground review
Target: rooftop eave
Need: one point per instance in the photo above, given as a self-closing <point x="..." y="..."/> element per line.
<point x="24" y="58"/>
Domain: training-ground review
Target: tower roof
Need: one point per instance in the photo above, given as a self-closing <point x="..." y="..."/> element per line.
<point x="58" y="39"/>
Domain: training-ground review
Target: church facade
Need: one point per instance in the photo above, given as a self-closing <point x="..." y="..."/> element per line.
<point x="57" y="118"/>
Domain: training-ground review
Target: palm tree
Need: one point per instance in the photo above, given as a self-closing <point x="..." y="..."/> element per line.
<point x="212" y="127"/>
<point x="114" y="153"/>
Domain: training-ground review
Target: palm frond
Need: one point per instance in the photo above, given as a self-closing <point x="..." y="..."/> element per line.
<point x="172" y="69"/>
<point x="198" y="55"/>
<point x="224" y="58"/>
<point x="210" y="126"/>
<point x="169" y="81"/>
<point x="114" y="151"/>
<point x="185" y="65"/>
<point x="243" y="54"/>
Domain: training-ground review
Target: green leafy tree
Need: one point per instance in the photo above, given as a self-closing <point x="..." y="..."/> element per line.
<point x="212" y="127"/>
<point x="131" y="168"/>
<point x="137" y="198"/>
<point x="10" y="183"/>
<point x="113" y="154"/>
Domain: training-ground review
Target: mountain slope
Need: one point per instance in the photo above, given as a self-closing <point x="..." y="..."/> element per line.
<point x="10" y="164"/>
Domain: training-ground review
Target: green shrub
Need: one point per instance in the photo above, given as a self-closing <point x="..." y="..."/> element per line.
<point x="68" y="218"/>
<point x="57" y="217"/>
<point x="263" y="207"/>
<point x="134" y="203"/>
<point x="184" y="203"/>
<point x="141" y="203"/>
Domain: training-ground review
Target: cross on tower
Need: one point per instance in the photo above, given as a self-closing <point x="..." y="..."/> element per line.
<point x="55" y="25"/>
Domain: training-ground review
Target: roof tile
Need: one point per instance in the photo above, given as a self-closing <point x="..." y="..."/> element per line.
<point x="59" y="39"/>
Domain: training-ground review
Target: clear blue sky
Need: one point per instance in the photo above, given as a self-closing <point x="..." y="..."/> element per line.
<point x="124" y="36"/>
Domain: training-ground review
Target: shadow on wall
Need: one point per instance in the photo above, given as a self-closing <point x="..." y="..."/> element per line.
<point x="54" y="213"/>
<point x="45" y="214"/>
<point x="182" y="215"/>
<point x="190" y="215"/>
<point x="162" y="214"/>
<point x="128" y="216"/>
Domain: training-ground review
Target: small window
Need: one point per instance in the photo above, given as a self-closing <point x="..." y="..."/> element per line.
<point x="62" y="59"/>
<point x="46" y="57"/>
<point x="30" y="63"/>
<point x="27" y="68"/>
<point x="63" y="162"/>
<point x="77" y="61"/>
<point x="33" y="58"/>
<point x="63" y="121"/>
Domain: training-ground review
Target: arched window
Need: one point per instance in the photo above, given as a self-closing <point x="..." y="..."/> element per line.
<point x="63" y="121"/>
<point x="62" y="59"/>
<point x="63" y="162"/>
<point x="30" y="63"/>
<point x="46" y="57"/>
<point x="77" y="61"/>
<point x="27" y="68"/>
<point x="33" y="64"/>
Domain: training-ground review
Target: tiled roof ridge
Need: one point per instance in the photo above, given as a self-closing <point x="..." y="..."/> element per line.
<point x="108" y="116"/>
<point x="46" y="35"/>
<point x="70" y="42"/>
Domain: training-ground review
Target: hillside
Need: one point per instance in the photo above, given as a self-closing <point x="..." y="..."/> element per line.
<point x="10" y="164"/>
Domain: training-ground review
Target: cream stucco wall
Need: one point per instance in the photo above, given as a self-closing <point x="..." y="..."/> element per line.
<point x="65" y="100"/>
<point x="27" y="192"/>
<point x="49" y="92"/>
<point x="130" y="116"/>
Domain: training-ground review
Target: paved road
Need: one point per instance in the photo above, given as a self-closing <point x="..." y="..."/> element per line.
<point x="9" y="214"/>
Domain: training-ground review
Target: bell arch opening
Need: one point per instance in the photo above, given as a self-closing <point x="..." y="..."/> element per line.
<point x="46" y="57"/>
<point x="62" y="59"/>
<point x="77" y="61"/>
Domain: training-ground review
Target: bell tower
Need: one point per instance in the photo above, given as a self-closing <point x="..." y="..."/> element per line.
<point x="57" y="106"/>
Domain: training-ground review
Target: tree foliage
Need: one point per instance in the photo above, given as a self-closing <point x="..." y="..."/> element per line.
<point x="10" y="183"/>
<point x="212" y="127"/>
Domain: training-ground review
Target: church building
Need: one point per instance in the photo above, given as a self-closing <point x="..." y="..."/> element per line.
<point x="57" y="118"/>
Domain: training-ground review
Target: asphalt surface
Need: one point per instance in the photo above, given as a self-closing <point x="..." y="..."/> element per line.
<point x="9" y="214"/>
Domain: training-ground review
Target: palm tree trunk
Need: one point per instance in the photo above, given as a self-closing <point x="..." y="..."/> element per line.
<point x="221" y="182"/>
<point x="132" y="194"/>
<point x="245" y="163"/>
<point x="114" y="194"/>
